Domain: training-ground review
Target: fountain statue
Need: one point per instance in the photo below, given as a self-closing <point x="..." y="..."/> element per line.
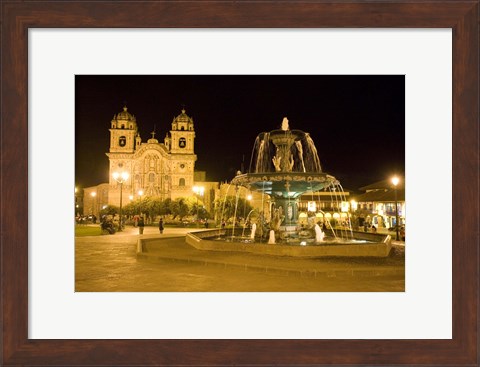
<point x="277" y="219"/>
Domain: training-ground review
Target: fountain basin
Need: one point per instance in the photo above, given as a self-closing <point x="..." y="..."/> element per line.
<point x="374" y="245"/>
<point x="273" y="183"/>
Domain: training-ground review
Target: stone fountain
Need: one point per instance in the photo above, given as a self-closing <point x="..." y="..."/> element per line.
<point x="284" y="166"/>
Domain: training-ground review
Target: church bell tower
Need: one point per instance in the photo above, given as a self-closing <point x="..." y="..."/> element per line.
<point x="182" y="134"/>
<point x="123" y="131"/>
<point x="180" y="143"/>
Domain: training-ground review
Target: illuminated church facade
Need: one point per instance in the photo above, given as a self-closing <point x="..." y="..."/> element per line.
<point x="155" y="169"/>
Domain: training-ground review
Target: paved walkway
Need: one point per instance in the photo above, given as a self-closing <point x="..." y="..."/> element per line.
<point x="109" y="263"/>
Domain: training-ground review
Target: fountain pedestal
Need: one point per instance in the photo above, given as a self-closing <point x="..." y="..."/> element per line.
<point x="290" y="211"/>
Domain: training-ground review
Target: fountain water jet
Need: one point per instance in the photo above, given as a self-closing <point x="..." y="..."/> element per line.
<point x="252" y="233"/>
<point x="319" y="235"/>
<point x="271" y="238"/>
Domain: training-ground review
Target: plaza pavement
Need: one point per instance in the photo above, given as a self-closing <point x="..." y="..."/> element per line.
<point x="110" y="263"/>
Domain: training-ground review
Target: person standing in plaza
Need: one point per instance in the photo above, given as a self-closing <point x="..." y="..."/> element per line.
<point x="160" y="226"/>
<point x="141" y="225"/>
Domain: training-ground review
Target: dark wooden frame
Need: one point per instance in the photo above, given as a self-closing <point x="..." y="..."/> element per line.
<point x="18" y="17"/>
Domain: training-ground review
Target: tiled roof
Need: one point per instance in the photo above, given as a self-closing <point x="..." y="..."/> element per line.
<point x="381" y="196"/>
<point x="385" y="184"/>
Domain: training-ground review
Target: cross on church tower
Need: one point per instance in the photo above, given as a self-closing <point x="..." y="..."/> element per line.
<point x="153" y="132"/>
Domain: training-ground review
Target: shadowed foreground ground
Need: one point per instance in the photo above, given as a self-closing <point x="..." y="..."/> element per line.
<point x="109" y="264"/>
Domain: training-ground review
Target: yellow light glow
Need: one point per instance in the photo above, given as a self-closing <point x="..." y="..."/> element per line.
<point x="249" y="197"/>
<point x="395" y="180"/>
<point x="199" y="190"/>
<point x="140" y="192"/>
<point x="120" y="177"/>
<point x="93" y="194"/>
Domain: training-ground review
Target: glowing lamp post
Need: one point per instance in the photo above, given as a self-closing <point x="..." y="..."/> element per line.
<point x="395" y="180"/>
<point x="120" y="178"/>
<point x="198" y="190"/>
<point x="140" y="193"/>
<point x="76" y="202"/>
<point x="248" y="200"/>
<point x="353" y="209"/>
<point x="93" y="195"/>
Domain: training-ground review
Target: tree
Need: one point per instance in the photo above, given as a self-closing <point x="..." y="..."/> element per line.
<point x="155" y="207"/>
<point x="144" y="206"/>
<point x="180" y="207"/>
<point x="129" y="209"/>
<point x="165" y="207"/>
<point x="226" y="207"/>
<point x="109" y="210"/>
<point x="198" y="210"/>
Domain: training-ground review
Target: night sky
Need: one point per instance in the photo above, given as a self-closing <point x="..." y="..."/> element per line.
<point x="356" y="122"/>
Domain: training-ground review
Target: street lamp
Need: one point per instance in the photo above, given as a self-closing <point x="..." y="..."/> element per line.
<point x="120" y="178"/>
<point x="76" y="202"/>
<point x="140" y="193"/>
<point x="249" y="199"/>
<point x="395" y="180"/>
<point x="353" y="209"/>
<point x="198" y="190"/>
<point x="93" y="195"/>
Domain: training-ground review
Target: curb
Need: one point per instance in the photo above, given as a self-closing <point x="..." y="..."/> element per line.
<point x="312" y="273"/>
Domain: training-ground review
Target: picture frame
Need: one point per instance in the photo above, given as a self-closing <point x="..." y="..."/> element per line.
<point x="17" y="17"/>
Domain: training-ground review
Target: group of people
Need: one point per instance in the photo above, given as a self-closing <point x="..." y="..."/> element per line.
<point x="85" y="219"/>
<point x="367" y="226"/>
<point x="140" y="223"/>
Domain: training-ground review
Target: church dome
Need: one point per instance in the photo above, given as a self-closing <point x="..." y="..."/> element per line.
<point x="183" y="117"/>
<point x="125" y="115"/>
